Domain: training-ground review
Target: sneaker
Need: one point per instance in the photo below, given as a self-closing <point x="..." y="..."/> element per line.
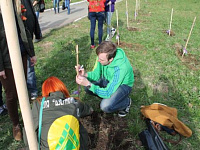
<point x="113" y="30"/>
<point x="3" y="111"/>
<point x="5" y="107"/>
<point x="92" y="46"/>
<point x="37" y="40"/>
<point x="17" y="134"/>
<point x="123" y="113"/>
<point x="107" y="38"/>
<point x="34" y="96"/>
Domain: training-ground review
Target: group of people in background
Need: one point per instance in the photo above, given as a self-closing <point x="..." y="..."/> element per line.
<point x="111" y="79"/>
<point x="66" y="4"/>
<point x="101" y="11"/>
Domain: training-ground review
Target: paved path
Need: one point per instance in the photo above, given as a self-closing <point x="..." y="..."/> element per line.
<point x="48" y="20"/>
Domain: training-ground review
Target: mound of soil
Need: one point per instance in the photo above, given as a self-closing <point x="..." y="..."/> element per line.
<point x="135" y="46"/>
<point x="108" y="132"/>
<point x="190" y="60"/>
<point x="167" y="32"/>
<point x="133" y="29"/>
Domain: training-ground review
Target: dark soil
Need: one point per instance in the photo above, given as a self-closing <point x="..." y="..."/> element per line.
<point x="190" y="60"/>
<point x="135" y="46"/>
<point x="108" y="132"/>
<point x="133" y="29"/>
<point x="167" y="32"/>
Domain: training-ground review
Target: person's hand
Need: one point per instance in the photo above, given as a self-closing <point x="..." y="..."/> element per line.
<point x="81" y="80"/>
<point x="109" y="3"/>
<point x="33" y="60"/>
<point x="2" y="74"/>
<point x="81" y="70"/>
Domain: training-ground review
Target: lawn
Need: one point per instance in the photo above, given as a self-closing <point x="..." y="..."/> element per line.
<point x="161" y="75"/>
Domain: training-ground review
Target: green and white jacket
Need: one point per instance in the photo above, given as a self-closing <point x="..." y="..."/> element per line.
<point x="118" y="72"/>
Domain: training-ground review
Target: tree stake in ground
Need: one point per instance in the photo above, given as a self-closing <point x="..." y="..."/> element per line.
<point x="169" y="32"/>
<point x="127" y="13"/>
<point x="185" y="48"/>
<point x="117" y="36"/>
<point x="136" y="5"/>
<point x="77" y="73"/>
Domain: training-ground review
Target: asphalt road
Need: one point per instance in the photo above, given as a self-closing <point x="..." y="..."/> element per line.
<point x="48" y="20"/>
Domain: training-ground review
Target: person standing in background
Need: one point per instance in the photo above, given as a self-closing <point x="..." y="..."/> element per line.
<point x="96" y="12"/>
<point x="36" y="6"/>
<point x="109" y="9"/>
<point x="34" y="29"/>
<point x="67" y="5"/>
<point x="54" y="5"/>
<point x="6" y="72"/>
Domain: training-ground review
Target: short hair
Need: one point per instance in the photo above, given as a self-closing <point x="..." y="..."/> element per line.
<point x="53" y="84"/>
<point x="107" y="47"/>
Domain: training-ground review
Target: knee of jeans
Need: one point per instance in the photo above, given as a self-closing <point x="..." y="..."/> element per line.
<point x="105" y="107"/>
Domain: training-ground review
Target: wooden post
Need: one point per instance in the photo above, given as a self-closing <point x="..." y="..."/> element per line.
<point x="170" y="25"/>
<point x="77" y="62"/>
<point x="127" y="13"/>
<point x="184" y="50"/>
<point x="16" y="61"/>
<point x="135" y="9"/>
<point x="110" y="27"/>
<point x="117" y="28"/>
<point x="77" y="69"/>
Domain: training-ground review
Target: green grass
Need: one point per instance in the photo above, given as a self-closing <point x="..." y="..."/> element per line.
<point x="160" y="76"/>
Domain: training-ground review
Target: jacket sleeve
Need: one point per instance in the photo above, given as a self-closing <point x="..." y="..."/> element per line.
<point x="116" y="80"/>
<point x="1" y="60"/>
<point x="96" y="73"/>
<point x="84" y="109"/>
<point x="35" y="110"/>
<point x="2" y="42"/>
<point x="26" y="37"/>
<point x="36" y="29"/>
<point x="35" y="113"/>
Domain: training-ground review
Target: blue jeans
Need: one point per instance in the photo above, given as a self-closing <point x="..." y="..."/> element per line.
<point x="37" y="13"/>
<point x="108" y="22"/>
<point x="118" y="100"/>
<point x="67" y="5"/>
<point x="93" y="16"/>
<point x="54" y="5"/>
<point x="31" y="78"/>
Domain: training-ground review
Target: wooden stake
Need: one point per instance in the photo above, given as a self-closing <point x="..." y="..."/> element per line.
<point x="170" y="25"/>
<point x="77" y="62"/>
<point x="184" y="50"/>
<point x="117" y="27"/>
<point x="135" y="9"/>
<point x="18" y="71"/>
<point x="77" y="70"/>
<point x="127" y="13"/>
<point x="110" y="36"/>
